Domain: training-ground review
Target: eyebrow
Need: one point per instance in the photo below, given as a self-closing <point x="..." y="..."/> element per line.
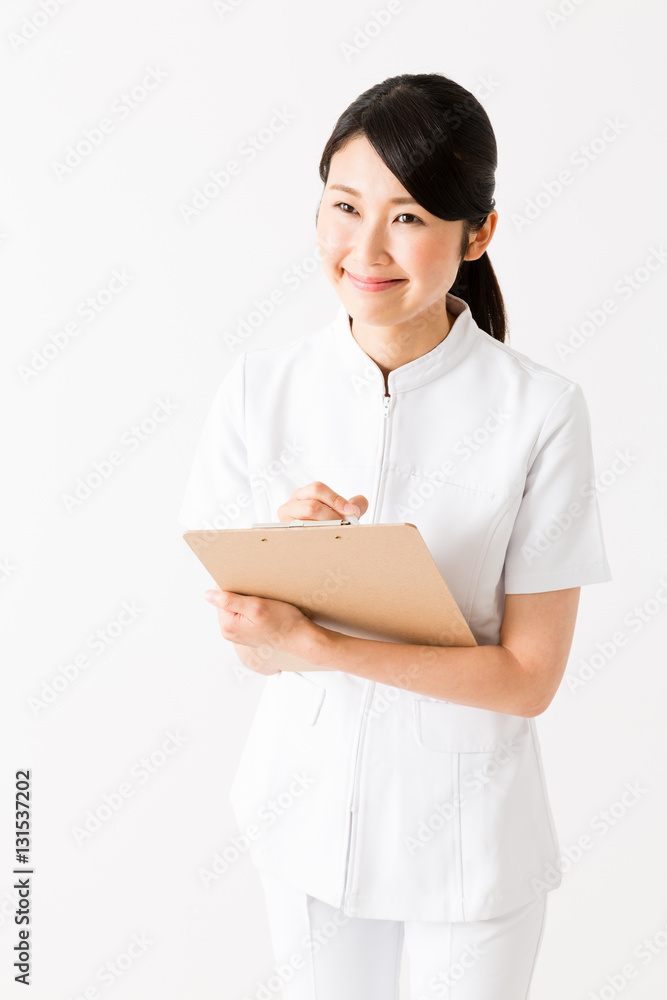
<point x="357" y="194"/>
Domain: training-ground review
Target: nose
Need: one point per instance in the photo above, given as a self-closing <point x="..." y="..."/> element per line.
<point x="369" y="245"/>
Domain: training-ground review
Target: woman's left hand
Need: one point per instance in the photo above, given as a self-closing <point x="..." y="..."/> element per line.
<point x="258" y="621"/>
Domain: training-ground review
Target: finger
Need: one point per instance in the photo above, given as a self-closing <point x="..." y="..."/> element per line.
<point x="361" y="502"/>
<point x="227" y="600"/>
<point x="307" y="510"/>
<point x="213" y="596"/>
<point x="315" y="502"/>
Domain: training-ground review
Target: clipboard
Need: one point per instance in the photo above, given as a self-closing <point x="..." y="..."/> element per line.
<point x="372" y="581"/>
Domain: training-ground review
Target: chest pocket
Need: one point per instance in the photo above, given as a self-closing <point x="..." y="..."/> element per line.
<point x="450" y="728"/>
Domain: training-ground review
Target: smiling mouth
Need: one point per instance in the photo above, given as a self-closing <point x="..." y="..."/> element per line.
<point x="372" y="284"/>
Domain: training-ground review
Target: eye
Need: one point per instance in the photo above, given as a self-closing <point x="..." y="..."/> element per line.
<point x="343" y="205"/>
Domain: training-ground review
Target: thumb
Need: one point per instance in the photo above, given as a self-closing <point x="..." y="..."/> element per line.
<point x="361" y="502"/>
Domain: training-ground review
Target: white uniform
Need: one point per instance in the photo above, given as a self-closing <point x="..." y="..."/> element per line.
<point x="391" y="804"/>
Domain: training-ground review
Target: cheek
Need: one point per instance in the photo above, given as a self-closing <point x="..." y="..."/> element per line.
<point x="332" y="241"/>
<point x="430" y="261"/>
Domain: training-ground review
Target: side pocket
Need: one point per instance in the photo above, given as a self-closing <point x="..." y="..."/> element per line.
<point x="301" y="699"/>
<point x="289" y="707"/>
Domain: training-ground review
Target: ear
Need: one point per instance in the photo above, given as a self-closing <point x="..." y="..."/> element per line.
<point x="480" y="240"/>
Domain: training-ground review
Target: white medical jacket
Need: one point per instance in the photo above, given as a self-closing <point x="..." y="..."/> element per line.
<point x="387" y="803"/>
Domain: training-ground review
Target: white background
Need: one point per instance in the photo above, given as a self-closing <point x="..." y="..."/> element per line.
<point x="67" y="572"/>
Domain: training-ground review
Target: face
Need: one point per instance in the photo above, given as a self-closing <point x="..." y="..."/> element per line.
<point x="377" y="231"/>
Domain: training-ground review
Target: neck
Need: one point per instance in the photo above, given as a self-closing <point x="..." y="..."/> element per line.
<point x="395" y="345"/>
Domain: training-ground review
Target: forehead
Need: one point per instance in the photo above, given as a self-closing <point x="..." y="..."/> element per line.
<point x="358" y="166"/>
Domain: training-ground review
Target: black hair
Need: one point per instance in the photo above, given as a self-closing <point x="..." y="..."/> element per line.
<point x="436" y="138"/>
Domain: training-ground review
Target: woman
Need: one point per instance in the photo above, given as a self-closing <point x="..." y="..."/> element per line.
<point x="392" y="791"/>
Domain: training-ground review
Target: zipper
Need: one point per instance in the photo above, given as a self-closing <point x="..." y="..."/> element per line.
<point x="354" y="803"/>
<point x="386" y="401"/>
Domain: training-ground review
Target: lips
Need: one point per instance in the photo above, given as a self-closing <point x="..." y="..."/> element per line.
<point x="372" y="284"/>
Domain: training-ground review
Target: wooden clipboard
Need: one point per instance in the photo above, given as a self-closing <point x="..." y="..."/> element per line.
<point x="372" y="581"/>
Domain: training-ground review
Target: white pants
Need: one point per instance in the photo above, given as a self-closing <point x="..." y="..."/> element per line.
<point x="321" y="954"/>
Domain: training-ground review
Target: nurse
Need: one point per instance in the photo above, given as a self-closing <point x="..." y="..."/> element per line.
<point x="398" y="789"/>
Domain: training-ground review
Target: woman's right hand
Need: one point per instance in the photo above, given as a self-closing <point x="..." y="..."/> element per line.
<point x="318" y="502"/>
<point x="314" y="502"/>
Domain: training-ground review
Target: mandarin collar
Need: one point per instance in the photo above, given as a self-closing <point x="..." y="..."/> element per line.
<point x="444" y="356"/>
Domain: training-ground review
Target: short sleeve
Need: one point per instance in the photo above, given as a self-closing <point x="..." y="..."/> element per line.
<point x="218" y="492"/>
<point x="557" y="540"/>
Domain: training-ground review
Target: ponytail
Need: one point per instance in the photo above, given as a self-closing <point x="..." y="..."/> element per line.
<point x="476" y="284"/>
